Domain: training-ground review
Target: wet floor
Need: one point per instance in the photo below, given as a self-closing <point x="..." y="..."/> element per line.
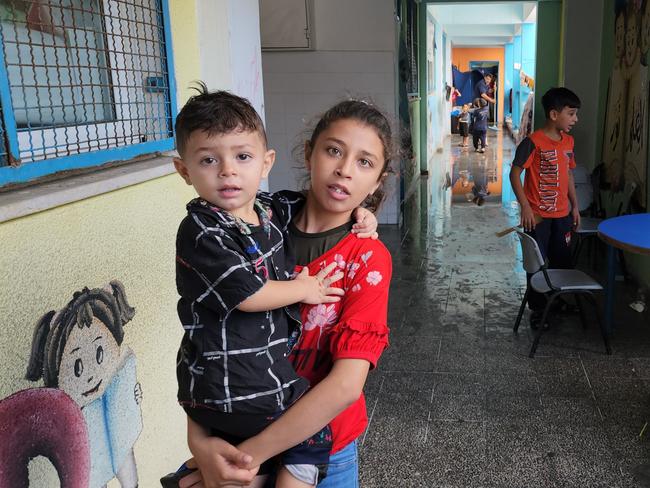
<point x="455" y="401"/>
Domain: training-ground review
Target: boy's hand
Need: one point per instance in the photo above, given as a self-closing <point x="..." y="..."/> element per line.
<point x="317" y="287"/>
<point x="527" y="218"/>
<point x="366" y="224"/>
<point x="575" y="213"/>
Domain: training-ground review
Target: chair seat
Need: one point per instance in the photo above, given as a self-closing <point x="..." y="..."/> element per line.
<point x="588" y="226"/>
<point x="565" y="280"/>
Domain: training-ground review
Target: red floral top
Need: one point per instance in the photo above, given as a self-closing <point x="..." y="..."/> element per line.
<point x="353" y="328"/>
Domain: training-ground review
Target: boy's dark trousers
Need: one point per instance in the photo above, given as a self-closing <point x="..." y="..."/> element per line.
<point x="479" y="135"/>
<point x="553" y="237"/>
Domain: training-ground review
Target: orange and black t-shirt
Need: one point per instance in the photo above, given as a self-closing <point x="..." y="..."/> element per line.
<point x="547" y="164"/>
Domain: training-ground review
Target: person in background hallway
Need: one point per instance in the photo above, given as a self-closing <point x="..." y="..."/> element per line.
<point x="479" y="124"/>
<point x="549" y="207"/>
<point x="463" y="125"/>
<point x="483" y="89"/>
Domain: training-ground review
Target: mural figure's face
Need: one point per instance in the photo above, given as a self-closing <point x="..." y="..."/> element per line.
<point x="89" y="361"/>
<point x="631" y="41"/>
<point x="619" y="36"/>
<point x="645" y="29"/>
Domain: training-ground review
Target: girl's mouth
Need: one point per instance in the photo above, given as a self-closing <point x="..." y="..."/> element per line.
<point x="338" y="192"/>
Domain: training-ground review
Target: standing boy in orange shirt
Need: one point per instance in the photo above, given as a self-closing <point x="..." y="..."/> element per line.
<point x="549" y="208"/>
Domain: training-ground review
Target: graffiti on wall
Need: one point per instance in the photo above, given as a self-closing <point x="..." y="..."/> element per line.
<point x="625" y="141"/>
<point x="78" y="351"/>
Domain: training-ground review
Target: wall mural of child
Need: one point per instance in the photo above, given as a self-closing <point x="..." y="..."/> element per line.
<point x="79" y="350"/>
<point x="626" y="122"/>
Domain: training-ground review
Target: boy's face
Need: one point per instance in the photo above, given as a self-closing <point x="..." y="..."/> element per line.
<point x="565" y="119"/>
<point x="226" y="169"/>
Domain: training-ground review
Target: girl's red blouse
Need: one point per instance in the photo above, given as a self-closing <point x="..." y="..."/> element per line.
<point x="353" y="328"/>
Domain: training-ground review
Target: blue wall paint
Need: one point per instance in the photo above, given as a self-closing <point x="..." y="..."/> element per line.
<point x="516" y="85"/>
<point x="508" y="73"/>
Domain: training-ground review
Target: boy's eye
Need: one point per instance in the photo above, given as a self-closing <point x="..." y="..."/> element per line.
<point x="334" y="151"/>
<point x="244" y="157"/>
<point x="208" y="161"/>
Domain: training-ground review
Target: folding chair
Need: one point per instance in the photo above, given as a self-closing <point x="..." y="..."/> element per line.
<point x="555" y="283"/>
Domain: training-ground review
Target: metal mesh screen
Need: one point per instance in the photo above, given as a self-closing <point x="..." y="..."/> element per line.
<point x="85" y="75"/>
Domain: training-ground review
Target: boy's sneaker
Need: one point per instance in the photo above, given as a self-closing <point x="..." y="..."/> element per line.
<point x="482" y="150"/>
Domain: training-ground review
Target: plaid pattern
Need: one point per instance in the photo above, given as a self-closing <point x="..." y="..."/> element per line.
<point x="229" y="360"/>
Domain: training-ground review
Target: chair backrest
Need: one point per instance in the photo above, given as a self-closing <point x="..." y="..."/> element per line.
<point x="533" y="260"/>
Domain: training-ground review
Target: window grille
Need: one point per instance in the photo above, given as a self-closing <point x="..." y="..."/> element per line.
<point x="86" y="76"/>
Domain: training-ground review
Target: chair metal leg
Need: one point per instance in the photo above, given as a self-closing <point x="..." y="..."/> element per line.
<point x="521" y="311"/>
<point x="541" y="329"/>
<point x="603" y="329"/>
<point x="581" y="309"/>
<point x="578" y="248"/>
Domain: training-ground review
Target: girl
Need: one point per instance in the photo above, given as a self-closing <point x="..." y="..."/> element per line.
<point x="347" y="157"/>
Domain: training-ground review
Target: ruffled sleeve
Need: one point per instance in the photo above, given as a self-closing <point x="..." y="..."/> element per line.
<point x="362" y="330"/>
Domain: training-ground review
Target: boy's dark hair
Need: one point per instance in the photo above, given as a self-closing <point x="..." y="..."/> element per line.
<point x="558" y="98"/>
<point x="218" y="112"/>
<point x="367" y="114"/>
<point x="480" y="102"/>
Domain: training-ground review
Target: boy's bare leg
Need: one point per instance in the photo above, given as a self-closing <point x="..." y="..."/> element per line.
<point x="286" y="480"/>
<point x="258" y="482"/>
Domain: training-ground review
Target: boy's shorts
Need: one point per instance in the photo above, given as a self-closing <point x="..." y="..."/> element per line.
<point x="306" y="461"/>
<point x="463" y="129"/>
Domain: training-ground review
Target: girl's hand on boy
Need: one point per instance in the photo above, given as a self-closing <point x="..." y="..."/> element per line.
<point x="366" y="224"/>
<point x="219" y="464"/>
<point x="317" y="287"/>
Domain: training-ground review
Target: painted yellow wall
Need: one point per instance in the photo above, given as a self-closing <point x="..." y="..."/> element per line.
<point x="127" y="235"/>
<point x="185" y="43"/>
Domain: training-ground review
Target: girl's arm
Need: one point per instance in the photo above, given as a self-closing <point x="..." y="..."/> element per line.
<point x="220" y="462"/>
<point x="337" y="391"/>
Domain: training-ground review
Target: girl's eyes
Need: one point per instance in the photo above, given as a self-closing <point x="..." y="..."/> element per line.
<point x="333" y="151"/>
<point x="366" y="163"/>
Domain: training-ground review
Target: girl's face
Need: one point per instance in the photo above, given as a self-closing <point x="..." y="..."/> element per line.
<point x="88" y="362"/>
<point x="346" y="164"/>
<point x="620" y="36"/>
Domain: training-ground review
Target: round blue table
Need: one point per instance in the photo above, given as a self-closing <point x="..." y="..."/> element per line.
<point x="629" y="233"/>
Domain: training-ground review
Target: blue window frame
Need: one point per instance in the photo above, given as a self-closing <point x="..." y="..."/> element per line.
<point x="83" y="83"/>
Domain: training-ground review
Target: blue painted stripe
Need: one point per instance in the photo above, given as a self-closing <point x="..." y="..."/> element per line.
<point x="171" y="72"/>
<point x="32" y="170"/>
<point x="11" y="131"/>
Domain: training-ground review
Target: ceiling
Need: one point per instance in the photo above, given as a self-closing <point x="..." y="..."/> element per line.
<point x="483" y="23"/>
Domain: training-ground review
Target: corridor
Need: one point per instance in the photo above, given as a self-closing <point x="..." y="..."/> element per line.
<point x="456" y="402"/>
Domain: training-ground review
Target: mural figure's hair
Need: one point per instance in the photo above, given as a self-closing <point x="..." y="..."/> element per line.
<point x="51" y="333"/>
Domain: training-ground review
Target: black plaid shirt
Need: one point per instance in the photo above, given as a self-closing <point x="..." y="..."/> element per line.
<point x="230" y="360"/>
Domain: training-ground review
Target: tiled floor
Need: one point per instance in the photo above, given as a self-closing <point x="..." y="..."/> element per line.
<point x="456" y="402"/>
